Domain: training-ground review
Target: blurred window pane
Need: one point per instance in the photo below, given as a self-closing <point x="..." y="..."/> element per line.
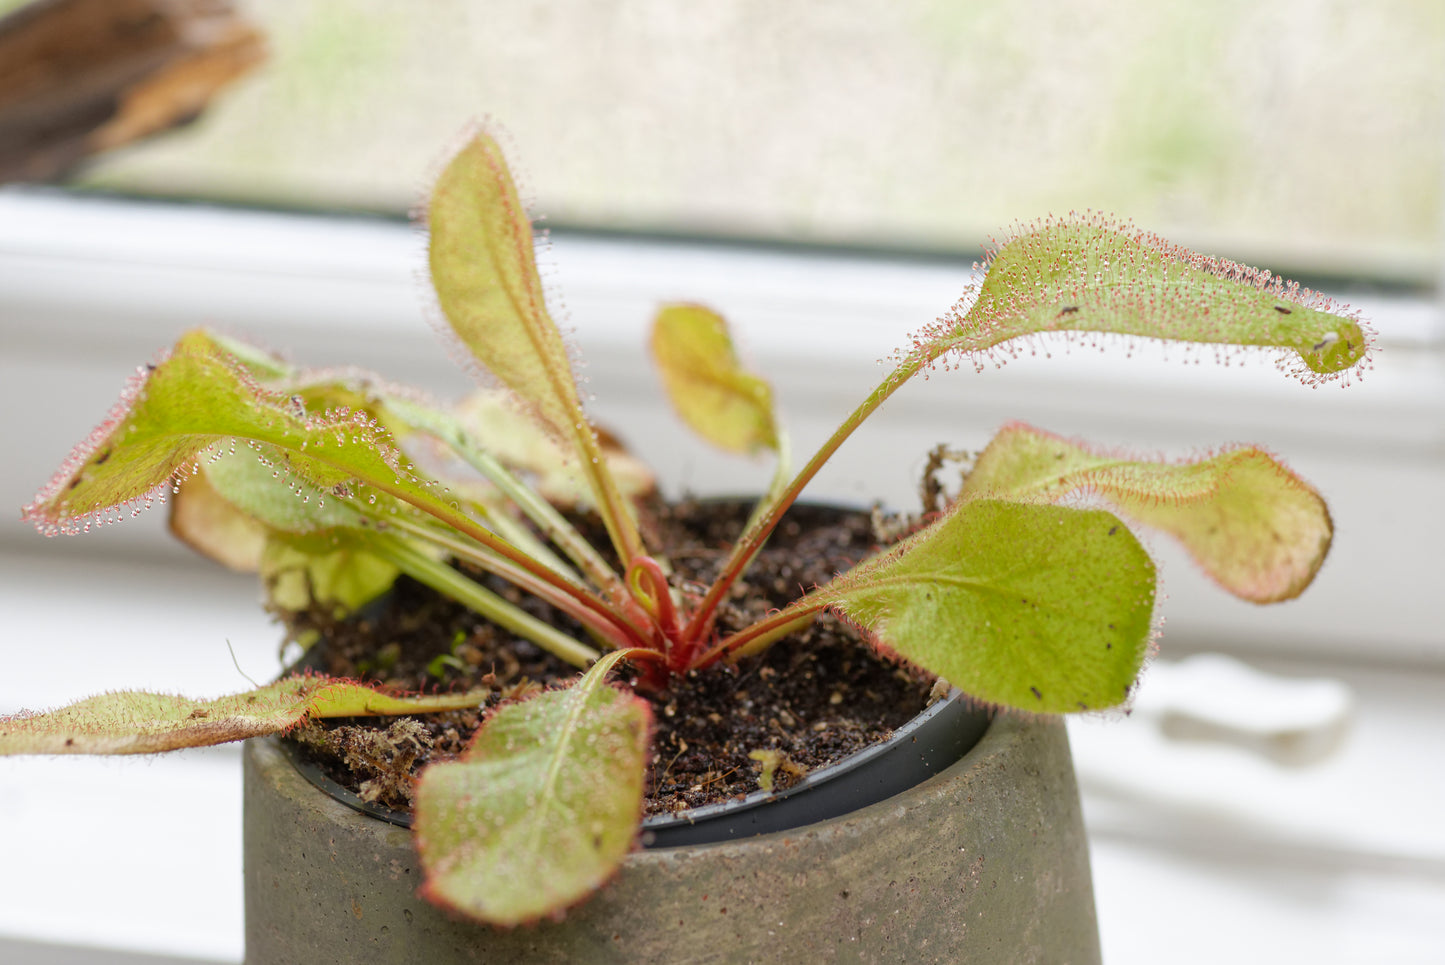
<point x="1300" y="134"/>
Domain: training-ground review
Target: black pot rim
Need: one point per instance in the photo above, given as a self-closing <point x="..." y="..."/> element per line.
<point x="938" y="736"/>
<point x="933" y="740"/>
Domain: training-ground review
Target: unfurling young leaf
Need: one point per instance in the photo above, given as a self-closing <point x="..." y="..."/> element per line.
<point x="1033" y="606"/>
<point x="135" y="722"/>
<point x="719" y="399"/>
<point x="542" y="808"/>
<point x="1254" y="526"/>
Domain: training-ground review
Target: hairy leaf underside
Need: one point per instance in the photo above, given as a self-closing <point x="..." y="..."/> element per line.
<point x="136" y="722"/>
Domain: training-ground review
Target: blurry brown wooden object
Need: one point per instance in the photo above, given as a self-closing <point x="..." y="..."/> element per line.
<point x="82" y="76"/>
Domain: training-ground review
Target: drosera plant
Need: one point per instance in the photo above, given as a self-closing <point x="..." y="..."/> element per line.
<point x="1027" y="590"/>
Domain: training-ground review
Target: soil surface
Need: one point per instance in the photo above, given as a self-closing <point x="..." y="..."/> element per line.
<point x="810" y="700"/>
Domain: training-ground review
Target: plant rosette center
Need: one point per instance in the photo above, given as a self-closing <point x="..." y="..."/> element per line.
<point x="718" y="734"/>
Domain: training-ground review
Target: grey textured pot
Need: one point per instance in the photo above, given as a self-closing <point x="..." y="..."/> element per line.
<point x="984" y="862"/>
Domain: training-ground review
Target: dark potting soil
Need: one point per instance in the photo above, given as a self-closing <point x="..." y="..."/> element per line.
<point x="810" y="700"/>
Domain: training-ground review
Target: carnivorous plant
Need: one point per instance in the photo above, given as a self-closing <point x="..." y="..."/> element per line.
<point x="1025" y="591"/>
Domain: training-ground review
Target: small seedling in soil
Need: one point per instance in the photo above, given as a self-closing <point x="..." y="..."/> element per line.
<point x="334" y="484"/>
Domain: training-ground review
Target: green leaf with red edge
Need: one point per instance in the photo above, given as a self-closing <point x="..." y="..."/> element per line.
<point x="1092" y="274"/>
<point x="137" y="722"/>
<point x="543" y="806"/>
<point x="707" y="384"/>
<point x="435" y="437"/>
<point x="201" y="406"/>
<point x="484" y="271"/>
<point x="1254" y="526"/>
<point x="1027" y="605"/>
<point x="198" y="405"/>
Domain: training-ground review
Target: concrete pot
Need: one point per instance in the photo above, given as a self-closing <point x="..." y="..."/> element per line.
<point x="984" y="862"/>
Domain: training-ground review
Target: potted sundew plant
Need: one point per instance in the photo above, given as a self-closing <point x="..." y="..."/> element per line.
<point x="1026" y="590"/>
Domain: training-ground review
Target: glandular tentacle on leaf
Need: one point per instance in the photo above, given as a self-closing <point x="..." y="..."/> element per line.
<point x="199" y="407"/>
<point x="1094" y="274"/>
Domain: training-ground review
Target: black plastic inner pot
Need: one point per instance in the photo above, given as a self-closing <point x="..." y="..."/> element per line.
<point x="927" y="744"/>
